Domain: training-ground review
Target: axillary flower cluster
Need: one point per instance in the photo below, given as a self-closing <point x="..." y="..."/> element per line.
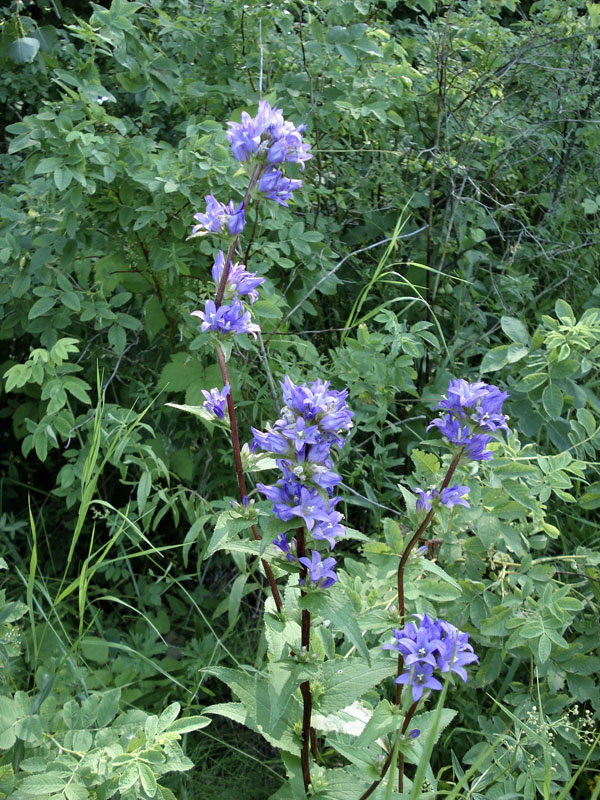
<point x="433" y="646"/>
<point x="314" y="420"/>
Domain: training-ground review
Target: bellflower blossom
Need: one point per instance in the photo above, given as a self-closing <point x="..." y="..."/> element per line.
<point x="315" y="419"/>
<point x="433" y="645"/>
<point x="450" y="496"/>
<point x="226" y="319"/>
<point x="286" y="547"/>
<point x="239" y="281"/>
<point x="216" y="400"/>
<point x="277" y="187"/>
<point x="320" y="572"/>
<point x="473" y="411"/>
<point x="268" y="137"/>
<point x="219" y="216"/>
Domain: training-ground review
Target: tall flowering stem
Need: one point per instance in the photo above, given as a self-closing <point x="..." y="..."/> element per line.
<point x="387" y="763"/>
<point x="471" y="411"/>
<point x="313" y="421"/>
<point x="264" y="141"/>
<point x="405" y="556"/>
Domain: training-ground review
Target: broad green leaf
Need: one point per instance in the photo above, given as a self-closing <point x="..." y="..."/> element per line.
<point x="334" y="605"/>
<point x="553" y="399"/>
<point x="515" y="329"/>
<point x="188" y="724"/>
<point x="23" y="50"/>
<point x="347" y="679"/>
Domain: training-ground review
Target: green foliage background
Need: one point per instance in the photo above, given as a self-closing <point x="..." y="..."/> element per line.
<point x="447" y="227"/>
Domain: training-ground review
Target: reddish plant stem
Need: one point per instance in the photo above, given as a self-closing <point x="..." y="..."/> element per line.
<point x="237" y="459"/>
<point x="231" y="251"/>
<point x="409" y="715"/>
<point x="305" y="685"/>
<point x="401" y="607"/>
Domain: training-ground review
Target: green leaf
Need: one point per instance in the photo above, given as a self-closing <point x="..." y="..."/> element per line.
<point x="564" y="312"/>
<point x="147" y="779"/>
<point x="347" y="53"/>
<point x="62" y="178"/>
<point x="495" y="359"/>
<point x="143" y="490"/>
<point x="347" y="679"/>
<point x="515" y="330"/>
<point x="23" y="50"/>
<point x="335" y="606"/>
<point x="41" y="307"/>
<point x="117" y="338"/>
<point x="43" y="784"/>
<point x="530" y="382"/>
<point x="544" y="648"/>
<point x="553" y="399"/>
<point x="188" y="724"/>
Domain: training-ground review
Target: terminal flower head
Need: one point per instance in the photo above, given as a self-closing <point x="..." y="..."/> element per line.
<point x="268" y="137"/>
<point x="433" y="645"/>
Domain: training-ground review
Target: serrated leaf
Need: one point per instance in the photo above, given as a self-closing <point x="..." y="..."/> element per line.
<point x="335" y="605"/>
<point x="347" y="679"/>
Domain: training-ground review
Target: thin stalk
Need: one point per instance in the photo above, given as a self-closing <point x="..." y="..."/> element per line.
<point x="401" y="607"/>
<point x="235" y="439"/>
<point x="231" y="251"/>
<point x="237" y="459"/>
<point x="305" y="685"/>
<point x="409" y="715"/>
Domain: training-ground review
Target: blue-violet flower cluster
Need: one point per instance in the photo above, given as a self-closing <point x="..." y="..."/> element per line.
<point x="267" y="137"/>
<point x="315" y="419"/>
<point x="450" y="496"/>
<point x="473" y="411"/>
<point x="239" y="281"/>
<point x="435" y="645"/>
<point x="216" y="401"/>
<point x="218" y="218"/>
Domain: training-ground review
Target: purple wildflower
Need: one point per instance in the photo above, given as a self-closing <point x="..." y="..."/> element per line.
<point x="286" y="547"/>
<point x="419" y="677"/>
<point x="311" y="508"/>
<point x="232" y="318"/>
<point x="425" y="498"/>
<point x="320" y="572"/>
<point x="219" y="216"/>
<point x="434" y="645"/>
<point x="277" y="187"/>
<point x="239" y="281"/>
<point x="455" y="496"/>
<point x="267" y="136"/>
<point x="216" y="400"/>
